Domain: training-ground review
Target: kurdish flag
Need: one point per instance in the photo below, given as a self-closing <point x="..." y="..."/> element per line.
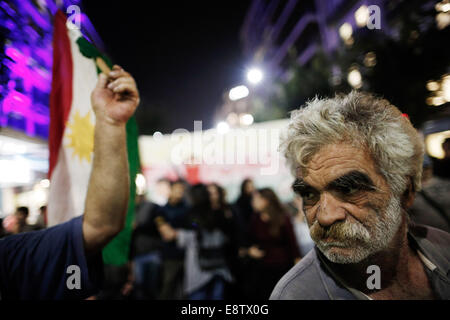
<point x="71" y="134"/>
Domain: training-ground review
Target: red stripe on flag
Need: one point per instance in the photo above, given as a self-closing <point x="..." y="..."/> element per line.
<point x="61" y="93"/>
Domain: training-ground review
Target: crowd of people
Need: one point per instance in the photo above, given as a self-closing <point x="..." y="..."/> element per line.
<point x="198" y="246"/>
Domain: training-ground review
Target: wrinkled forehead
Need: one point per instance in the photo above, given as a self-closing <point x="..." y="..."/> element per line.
<point x="334" y="161"/>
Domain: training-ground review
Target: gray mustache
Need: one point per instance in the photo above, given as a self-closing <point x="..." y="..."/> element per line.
<point x="342" y="231"/>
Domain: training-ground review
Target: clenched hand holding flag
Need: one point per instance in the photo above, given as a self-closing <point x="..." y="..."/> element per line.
<point x="71" y="136"/>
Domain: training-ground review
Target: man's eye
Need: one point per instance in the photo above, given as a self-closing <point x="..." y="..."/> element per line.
<point x="309" y="198"/>
<point x="348" y="190"/>
<point x="308" y="195"/>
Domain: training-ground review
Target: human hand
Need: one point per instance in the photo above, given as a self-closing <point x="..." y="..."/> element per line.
<point x="255" y="252"/>
<point x="116" y="97"/>
<point x="167" y="232"/>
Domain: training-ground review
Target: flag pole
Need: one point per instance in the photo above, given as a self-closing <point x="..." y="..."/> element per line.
<point x="102" y="65"/>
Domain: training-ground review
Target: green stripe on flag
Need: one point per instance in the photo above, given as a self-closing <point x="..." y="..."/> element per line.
<point x="117" y="251"/>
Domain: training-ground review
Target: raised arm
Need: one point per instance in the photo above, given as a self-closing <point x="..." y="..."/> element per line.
<point x="114" y="101"/>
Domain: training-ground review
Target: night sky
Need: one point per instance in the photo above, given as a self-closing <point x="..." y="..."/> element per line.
<point x="183" y="55"/>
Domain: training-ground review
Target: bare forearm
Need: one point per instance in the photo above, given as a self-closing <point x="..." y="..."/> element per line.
<point x="108" y="191"/>
<point x="114" y="100"/>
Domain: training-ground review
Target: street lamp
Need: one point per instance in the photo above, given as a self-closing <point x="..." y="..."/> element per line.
<point x="255" y="75"/>
<point x="346" y="31"/>
<point x="238" y="92"/>
<point x="354" y="78"/>
<point x="362" y="16"/>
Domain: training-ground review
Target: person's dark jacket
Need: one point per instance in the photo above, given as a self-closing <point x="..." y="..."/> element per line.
<point x="176" y="216"/>
<point x="145" y="237"/>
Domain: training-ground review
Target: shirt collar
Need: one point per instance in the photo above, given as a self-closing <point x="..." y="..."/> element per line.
<point x="435" y="261"/>
<point x="428" y="254"/>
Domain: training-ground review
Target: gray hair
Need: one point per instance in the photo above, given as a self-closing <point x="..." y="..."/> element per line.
<point x="364" y="121"/>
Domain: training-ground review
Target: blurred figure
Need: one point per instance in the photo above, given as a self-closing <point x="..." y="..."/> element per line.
<point x="222" y="208"/>
<point x="22" y="216"/>
<point x="304" y="241"/>
<point x="244" y="202"/>
<point x="174" y="213"/>
<point x="145" y="253"/>
<point x="41" y="222"/>
<point x="162" y="192"/>
<point x="442" y="166"/>
<point x="206" y="270"/>
<point x="2" y="229"/>
<point x="10" y="225"/>
<point x="431" y="205"/>
<point x="273" y="245"/>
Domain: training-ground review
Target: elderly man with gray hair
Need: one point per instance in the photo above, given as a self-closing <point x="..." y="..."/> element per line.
<point x="358" y="163"/>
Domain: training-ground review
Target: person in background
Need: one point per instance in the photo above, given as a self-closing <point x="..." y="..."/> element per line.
<point x="206" y="269"/>
<point x="22" y="216"/>
<point x="11" y="225"/>
<point x="244" y="212"/>
<point x="243" y="204"/>
<point x="174" y="213"/>
<point x="272" y="244"/>
<point x="431" y="205"/>
<point x="41" y="222"/>
<point x="3" y="232"/>
<point x="304" y="241"/>
<point x="441" y="167"/>
<point x="145" y="252"/>
<point x="162" y="192"/>
<point x="221" y="207"/>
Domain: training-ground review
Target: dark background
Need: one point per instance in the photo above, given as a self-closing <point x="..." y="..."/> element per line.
<point x="183" y="55"/>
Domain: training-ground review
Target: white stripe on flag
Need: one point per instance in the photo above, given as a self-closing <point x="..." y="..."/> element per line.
<point x="70" y="179"/>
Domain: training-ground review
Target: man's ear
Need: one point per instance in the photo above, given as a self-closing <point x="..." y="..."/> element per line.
<point x="409" y="195"/>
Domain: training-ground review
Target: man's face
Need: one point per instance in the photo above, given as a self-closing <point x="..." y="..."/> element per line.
<point x="348" y="205"/>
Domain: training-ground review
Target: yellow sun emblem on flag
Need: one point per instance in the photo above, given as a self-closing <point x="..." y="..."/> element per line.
<point x="81" y="136"/>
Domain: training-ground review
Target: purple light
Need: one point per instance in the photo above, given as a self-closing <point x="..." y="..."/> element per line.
<point x="24" y="103"/>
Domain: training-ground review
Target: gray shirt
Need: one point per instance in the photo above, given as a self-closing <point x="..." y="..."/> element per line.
<point x="313" y="279"/>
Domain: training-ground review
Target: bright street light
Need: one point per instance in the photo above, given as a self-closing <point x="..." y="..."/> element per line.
<point x="362" y="16"/>
<point x="238" y="92"/>
<point x="354" y="78"/>
<point x="254" y="76"/>
<point x="346" y="31"/>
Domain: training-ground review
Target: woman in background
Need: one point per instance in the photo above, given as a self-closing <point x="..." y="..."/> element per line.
<point x="206" y="268"/>
<point x="273" y="245"/>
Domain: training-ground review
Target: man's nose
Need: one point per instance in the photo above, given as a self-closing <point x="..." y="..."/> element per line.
<point x="330" y="210"/>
